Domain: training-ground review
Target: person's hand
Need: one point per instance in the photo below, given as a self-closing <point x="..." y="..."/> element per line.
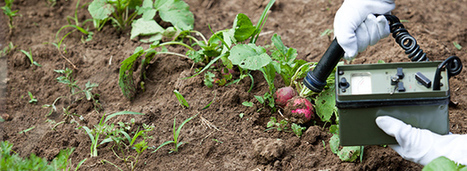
<point x="355" y="27"/>
<point x="421" y="145"/>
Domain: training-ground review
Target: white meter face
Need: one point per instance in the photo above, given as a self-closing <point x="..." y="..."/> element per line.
<point x="360" y="83"/>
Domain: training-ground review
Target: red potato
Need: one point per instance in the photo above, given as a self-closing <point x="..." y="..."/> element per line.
<point x="283" y="94"/>
<point x="299" y="110"/>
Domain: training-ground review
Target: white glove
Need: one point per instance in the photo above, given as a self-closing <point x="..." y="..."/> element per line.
<point x="351" y="34"/>
<point x="421" y="145"/>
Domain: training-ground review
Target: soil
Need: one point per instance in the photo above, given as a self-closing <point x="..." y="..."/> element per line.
<point x="218" y="139"/>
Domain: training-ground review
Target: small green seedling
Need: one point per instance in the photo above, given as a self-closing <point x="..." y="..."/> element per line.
<point x="27" y="130"/>
<point x="181" y="99"/>
<point x="67" y="79"/>
<point x="33" y="100"/>
<point x="51" y="106"/>
<point x="76" y="26"/>
<point x="457" y="45"/>
<point x="28" y="54"/>
<point x="209" y="79"/>
<point x="176" y="133"/>
<point x="327" y="32"/>
<point x="209" y="104"/>
<point x="119" y="135"/>
<point x="5" y="51"/>
<point x="13" y="161"/>
<point x="7" y="10"/>
<point x="241" y="115"/>
<point x="279" y="126"/>
<point x="100" y="129"/>
<point x="217" y="141"/>
<point x="247" y="104"/>
<point x="297" y="129"/>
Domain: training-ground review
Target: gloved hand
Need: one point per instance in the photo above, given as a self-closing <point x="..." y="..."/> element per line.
<point x="421" y="145"/>
<point x="355" y="29"/>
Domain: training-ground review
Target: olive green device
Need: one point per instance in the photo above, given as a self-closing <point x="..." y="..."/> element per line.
<point x="406" y="91"/>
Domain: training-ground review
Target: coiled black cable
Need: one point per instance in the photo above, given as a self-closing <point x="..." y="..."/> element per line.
<point x="405" y="40"/>
<point x="453" y="65"/>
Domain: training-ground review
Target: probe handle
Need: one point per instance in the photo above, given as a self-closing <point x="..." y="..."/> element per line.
<point x="316" y="80"/>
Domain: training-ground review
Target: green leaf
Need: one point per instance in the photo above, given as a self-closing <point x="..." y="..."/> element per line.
<point x="457" y="45"/>
<point x="100" y="9"/>
<point x="442" y="163"/>
<point x="209" y="79"/>
<point x="243" y="27"/>
<point x="269" y="74"/>
<point x="284" y="54"/>
<point x="249" y="56"/>
<point x="326" y="104"/>
<point x="176" y="12"/>
<point x="260" y="99"/>
<point x="142" y="27"/>
<point x="297" y="129"/>
<point x="349" y="153"/>
<point x="247" y="104"/>
<point x="181" y="99"/>
<point x="125" y="78"/>
<point x="163" y="144"/>
<point x="334" y="129"/>
<point x="326" y="32"/>
<point x="272" y="122"/>
<point x="334" y="143"/>
<point x="121" y="113"/>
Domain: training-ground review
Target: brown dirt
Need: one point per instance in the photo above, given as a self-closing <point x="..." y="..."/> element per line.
<point x="243" y="143"/>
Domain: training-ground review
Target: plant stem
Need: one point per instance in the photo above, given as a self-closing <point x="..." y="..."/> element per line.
<point x="200" y="34"/>
<point x="176" y="43"/>
<point x="176" y="54"/>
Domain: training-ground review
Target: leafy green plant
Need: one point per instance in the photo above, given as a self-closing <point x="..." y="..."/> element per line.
<point x="181" y="99"/>
<point x="216" y="49"/>
<point x="348" y="153"/>
<point x="68" y="80"/>
<point x="297" y="129"/>
<point x="443" y="163"/>
<point x="120" y="135"/>
<point x="279" y="126"/>
<point x="68" y="118"/>
<point x="7" y="10"/>
<point x="101" y="128"/>
<point x="122" y="14"/>
<point x="209" y="79"/>
<point x="5" y="51"/>
<point x="51" y="106"/>
<point x="33" y="100"/>
<point x="9" y="161"/>
<point x="176" y="138"/>
<point x="28" y="54"/>
<point x="76" y="25"/>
